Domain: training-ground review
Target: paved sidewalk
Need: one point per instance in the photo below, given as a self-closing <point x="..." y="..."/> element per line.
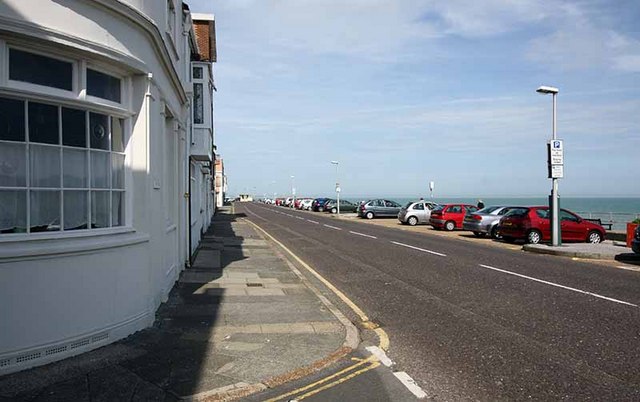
<point x="240" y="320"/>
<point x="607" y="250"/>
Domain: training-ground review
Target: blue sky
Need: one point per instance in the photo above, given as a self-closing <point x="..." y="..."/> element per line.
<point x="404" y="92"/>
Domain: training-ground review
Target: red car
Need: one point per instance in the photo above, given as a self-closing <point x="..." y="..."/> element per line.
<point x="533" y="225"/>
<point x="279" y="201"/>
<point x="450" y="216"/>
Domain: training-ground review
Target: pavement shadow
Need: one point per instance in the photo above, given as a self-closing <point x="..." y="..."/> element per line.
<point x="180" y="351"/>
<point x="169" y="361"/>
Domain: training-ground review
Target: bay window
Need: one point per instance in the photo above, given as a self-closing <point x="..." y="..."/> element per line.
<point x="61" y="168"/>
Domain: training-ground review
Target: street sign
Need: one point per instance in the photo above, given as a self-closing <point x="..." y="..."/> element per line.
<point x="338" y="189"/>
<point x="556" y="152"/>
<point x="293" y="191"/>
<point x="556" y="172"/>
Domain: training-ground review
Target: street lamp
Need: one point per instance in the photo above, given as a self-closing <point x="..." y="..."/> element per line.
<point x="337" y="186"/>
<point x="556" y="239"/>
<point x="293" y="192"/>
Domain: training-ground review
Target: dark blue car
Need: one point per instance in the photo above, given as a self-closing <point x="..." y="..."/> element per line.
<point x="318" y="204"/>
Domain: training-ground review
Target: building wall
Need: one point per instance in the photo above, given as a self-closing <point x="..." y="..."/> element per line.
<point x="63" y="293"/>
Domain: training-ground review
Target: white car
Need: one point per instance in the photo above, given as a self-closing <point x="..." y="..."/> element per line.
<point x="306" y="203"/>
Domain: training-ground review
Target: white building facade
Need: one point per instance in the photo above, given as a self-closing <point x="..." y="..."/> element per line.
<point x="102" y="169"/>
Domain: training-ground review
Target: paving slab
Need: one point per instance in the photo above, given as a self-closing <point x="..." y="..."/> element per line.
<point x="607" y="250"/>
<point x="234" y="320"/>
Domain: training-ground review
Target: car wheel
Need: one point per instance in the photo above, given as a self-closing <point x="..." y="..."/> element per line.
<point x="334" y="210"/>
<point x="508" y="239"/>
<point x="412" y="221"/>
<point x="478" y="234"/>
<point x="594" y="237"/>
<point x="534" y="237"/>
<point x="369" y="215"/>
<point x="450" y="225"/>
<point x="494" y="232"/>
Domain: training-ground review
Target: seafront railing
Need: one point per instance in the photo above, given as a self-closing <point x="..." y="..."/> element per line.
<point x="618" y="220"/>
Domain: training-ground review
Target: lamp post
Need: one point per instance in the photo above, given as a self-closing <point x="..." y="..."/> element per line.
<point x="293" y="192"/>
<point x="337" y="186"/>
<point x="556" y="239"/>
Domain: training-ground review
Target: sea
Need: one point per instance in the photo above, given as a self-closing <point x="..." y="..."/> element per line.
<point x="617" y="211"/>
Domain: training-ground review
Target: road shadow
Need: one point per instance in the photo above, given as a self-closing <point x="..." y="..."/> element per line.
<point x="628" y="258"/>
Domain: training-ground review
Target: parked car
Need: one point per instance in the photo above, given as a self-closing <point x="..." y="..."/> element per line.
<point x="298" y="202"/>
<point x="279" y="201"/>
<point x="318" y="204"/>
<point x="450" y="216"/>
<point x="345" y="206"/>
<point x="378" y="208"/>
<point x="485" y="221"/>
<point x="635" y="243"/>
<point x="416" y="212"/>
<point x="533" y="225"/>
<point x="306" y="204"/>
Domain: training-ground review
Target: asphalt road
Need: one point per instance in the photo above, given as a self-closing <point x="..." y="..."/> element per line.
<point x="474" y="322"/>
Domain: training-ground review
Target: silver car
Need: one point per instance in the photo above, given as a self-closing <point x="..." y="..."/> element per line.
<point x="485" y="221"/>
<point x="416" y="212"/>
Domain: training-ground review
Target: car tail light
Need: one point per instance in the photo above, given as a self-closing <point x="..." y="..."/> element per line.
<point x="476" y="217"/>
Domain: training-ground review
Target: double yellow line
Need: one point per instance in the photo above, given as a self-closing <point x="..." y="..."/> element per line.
<point x="363" y="365"/>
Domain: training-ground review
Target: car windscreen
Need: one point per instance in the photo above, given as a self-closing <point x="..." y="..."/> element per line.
<point x="487" y="210"/>
<point x="517" y="212"/>
<point x="438" y="208"/>
<point x="407" y="205"/>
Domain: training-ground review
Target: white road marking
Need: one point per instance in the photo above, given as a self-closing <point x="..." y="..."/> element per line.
<point x="332" y="227"/>
<point x="362" y="234"/>
<point x="379" y="353"/>
<point x="289" y="215"/>
<point x="410" y="384"/>
<point x="314" y="222"/>
<point x="560" y="286"/>
<point x="299" y="217"/>
<point x="419" y="249"/>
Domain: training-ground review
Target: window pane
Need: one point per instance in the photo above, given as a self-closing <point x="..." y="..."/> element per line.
<point x="13" y="211"/>
<point x="103" y="85"/>
<point x="75" y="210"/>
<point x="74" y="168"/>
<point x="117" y="134"/>
<point x="198" y="109"/>
<point x="117" y="171"/>
<point x="100" y="209"/>
<point x="98" y="131"/>
<point x="44" y="165"/>
<point x="117" y="208"/>
<point x="43" y="123"/>
<point x="197" y="72"/>
<point x="13" y="165"/>
<point x="100" y="169"/>
<point x="74" y="127"/>
<point x="41" y="70"/>
<point x="45" y="211"/>
<point x="11" y="119"/>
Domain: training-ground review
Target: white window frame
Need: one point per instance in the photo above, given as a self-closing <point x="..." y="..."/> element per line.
<point x="124" y="93"/>
<point x="31" y="87"/>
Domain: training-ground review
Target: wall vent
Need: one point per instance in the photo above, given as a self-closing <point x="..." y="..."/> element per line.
<point x="30" y="356"/>
<point x="54" y="350"/>
<point x="5" y="362"/>
<point x="100" y="337"/>
<point x="80" y="343"/>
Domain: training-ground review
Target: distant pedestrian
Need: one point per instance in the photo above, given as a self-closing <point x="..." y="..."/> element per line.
<point x="480" y="204"/>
